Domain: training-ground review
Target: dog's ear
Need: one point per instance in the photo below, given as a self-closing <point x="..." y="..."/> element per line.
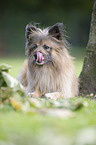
<point x="56" y="31"/>
<point x="29" y="30"/>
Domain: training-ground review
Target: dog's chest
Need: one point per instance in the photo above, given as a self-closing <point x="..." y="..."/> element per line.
<point x="46" y="80"/>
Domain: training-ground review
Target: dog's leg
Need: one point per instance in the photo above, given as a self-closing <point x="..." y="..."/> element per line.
<point x="36" y="93"/>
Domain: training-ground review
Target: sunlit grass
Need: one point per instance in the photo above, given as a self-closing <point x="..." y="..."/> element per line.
<point x="19" y="128"/>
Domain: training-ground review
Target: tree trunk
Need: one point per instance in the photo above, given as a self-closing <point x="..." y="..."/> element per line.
<point x="88" y="74"/>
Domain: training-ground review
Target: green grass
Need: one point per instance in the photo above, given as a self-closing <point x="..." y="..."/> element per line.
<point x="17" y="128"/>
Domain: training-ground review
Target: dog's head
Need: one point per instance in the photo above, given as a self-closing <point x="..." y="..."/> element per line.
<point x="44" y="46"/>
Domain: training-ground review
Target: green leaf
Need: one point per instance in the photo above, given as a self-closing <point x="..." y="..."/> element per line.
<point x="5" y="67"/>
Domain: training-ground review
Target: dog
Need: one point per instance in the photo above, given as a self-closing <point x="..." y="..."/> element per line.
<point x="49" y="67"/>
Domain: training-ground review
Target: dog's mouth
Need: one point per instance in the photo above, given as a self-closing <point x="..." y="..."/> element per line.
<point x="39" y="58"/>
<point x="40" y="63"/>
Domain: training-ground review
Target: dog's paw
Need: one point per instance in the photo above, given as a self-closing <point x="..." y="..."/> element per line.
<point x="54" y="95"/>
<point x="33" y="94"/>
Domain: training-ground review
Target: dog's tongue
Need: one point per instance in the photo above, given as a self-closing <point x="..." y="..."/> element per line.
<point x="39" y="57"/>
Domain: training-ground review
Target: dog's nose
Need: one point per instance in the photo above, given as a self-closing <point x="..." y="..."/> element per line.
<point x="38" y="56"/>
<point x="35" y="55"/>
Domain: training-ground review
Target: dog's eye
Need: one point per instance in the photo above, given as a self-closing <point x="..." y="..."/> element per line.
<point x="46" y="47"/>
<point x="34" y="46"/>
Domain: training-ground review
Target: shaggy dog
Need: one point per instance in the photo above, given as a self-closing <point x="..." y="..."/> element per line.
<point x="48" y="66"/>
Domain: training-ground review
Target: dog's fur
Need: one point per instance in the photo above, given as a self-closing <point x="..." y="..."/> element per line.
<point x="55" y="71"/>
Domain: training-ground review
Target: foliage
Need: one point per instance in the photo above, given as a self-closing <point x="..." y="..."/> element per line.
<point x="12" y="93"/>
<point x="39" y="121"/>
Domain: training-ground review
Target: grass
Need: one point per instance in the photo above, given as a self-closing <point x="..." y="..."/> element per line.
<point x="17" y="128"/>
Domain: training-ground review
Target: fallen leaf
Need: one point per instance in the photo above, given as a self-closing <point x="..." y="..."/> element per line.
<point x="16" y="104"/>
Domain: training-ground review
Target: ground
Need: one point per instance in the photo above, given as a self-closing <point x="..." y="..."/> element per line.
<point x="19" y="128"/>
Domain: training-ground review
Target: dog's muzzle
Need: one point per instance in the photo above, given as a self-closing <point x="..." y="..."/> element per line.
<point x="38" y="58"/>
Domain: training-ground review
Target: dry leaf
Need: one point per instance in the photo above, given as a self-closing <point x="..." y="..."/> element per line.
<point x="16" y="104"/>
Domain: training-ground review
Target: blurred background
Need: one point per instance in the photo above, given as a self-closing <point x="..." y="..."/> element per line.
<point x="15" y="14"/>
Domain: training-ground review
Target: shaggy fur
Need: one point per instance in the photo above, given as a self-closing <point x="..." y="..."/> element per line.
<point x="56" y="72"/>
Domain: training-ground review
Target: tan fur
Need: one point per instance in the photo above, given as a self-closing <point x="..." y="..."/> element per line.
<point x="58" y="76"/>
<point x="22" y="76"/>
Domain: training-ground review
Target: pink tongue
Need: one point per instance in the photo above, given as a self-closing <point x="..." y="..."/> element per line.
<point x="39" y="57"/>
